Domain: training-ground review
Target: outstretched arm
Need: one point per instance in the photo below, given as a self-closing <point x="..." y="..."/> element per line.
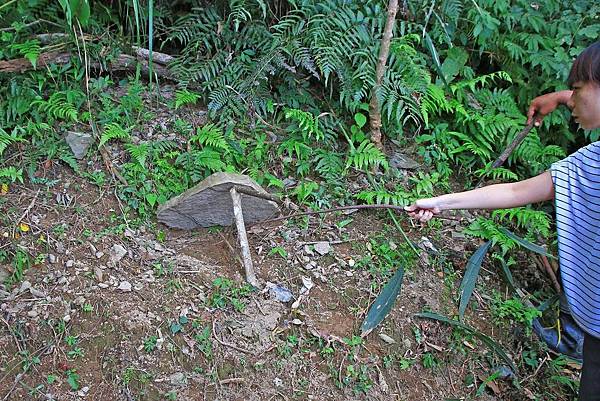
<point x="499" y="196"/>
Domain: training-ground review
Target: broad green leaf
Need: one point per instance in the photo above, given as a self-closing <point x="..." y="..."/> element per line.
<point x="472" y="272"/>
<point x="493" y="345"/>
<point x="383" y="303"/>
<point x="360" y="119"/>
<point x="526" y="244"/>
<point x="435" y="57"/>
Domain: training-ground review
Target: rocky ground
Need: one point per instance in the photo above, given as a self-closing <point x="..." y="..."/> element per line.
<point x="108" y="311"/>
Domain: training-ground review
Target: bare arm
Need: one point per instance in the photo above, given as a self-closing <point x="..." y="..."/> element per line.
<point x="499" y="196"/>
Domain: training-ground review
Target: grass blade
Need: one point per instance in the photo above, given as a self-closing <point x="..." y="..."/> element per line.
<point x="383" y="303"/>
<point x="526" y="244"/>
<point x="508" y="276"/>
<point x="470" y="279"/>
<point x="492" y="345"/>
<point x="435" y="57"/>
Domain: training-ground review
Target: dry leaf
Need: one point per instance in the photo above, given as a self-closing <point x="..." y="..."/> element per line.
<point x="3" y="189"/>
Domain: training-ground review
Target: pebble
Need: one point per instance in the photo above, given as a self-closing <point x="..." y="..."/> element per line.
<point x="32" y="313"/>
<point x="25" y="285"/>
<point x="117" y="252"/>
<point x="70" y="263"/>
<point x="322" y="248"/>
<point x="51" y="258"/>
<point x="103" y="285"/>
<point x="124" y="286"/>
<point x="98" y="273"/>
<point x="99" y="254"/>
<point x="178" y="379"/>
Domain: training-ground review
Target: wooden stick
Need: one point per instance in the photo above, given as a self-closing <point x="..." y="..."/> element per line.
<point x="242" y="237"/>
<point x="335" y="209"/>
<point x="251" y="192"/>
<point x="509" y="149"/>
<point x="550" y="273"/>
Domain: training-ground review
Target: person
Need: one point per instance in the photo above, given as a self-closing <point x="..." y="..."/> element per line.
<point x="574" y="184"/>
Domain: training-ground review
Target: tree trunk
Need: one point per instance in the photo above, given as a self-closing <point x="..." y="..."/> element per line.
<point x="384" y="51"/>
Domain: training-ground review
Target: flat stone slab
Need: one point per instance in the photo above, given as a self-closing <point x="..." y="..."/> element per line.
<point x="209" y="204"/>
<point x="79" y="143"/>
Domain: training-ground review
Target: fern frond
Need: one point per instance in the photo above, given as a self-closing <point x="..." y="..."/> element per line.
<point x="139" y="152"/>
<point x="366" y="156"/>
<point x="211" y="135"/>
<point x="113" y="131"/>
<point x="184" y="97"/>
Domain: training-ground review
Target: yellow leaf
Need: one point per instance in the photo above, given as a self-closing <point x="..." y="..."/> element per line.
<point x="24" y="227"/>
<point x="3" y="189"/>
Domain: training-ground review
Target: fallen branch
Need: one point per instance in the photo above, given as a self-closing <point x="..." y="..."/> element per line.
<point x="123" y="62"/>
<point x="243" y="238"/>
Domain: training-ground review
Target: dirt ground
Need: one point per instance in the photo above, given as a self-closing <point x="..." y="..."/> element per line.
<point x="111" y="312"/>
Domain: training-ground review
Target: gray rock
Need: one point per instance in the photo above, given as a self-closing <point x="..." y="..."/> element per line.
<point x="178" y="379"/>
<point x="209" y="204"/>
<point x="124" y="286"/>
<point x="98" y="273"/>
<point x="70" y="263"/>
<point x="79" y="143"/>
<point x="322" y="248"/>
<point x="117" y="252"/>
<point x="402" y="162"/>
<point x="51" y="258"/>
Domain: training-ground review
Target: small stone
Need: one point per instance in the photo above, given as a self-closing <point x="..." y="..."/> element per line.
<point x="99" y="254"/>
<point x="67" y="318"/>
<point x="387" y="339"/>
<point x="51" y="258"/>
<point x="322" y="248"/>
<point x="178" y="379"/>
<point x="79" y="143"/>
<point x="98" y="273"/>
<point x="25" y="285"/>
<point x="37" y="293"/>
<point x="70" y="263"/>
<point x="278" y="382"/>
<point x="103" y="285"/>
<point x="32" y="313"/>
<point x="124" y="286"/>
<point x="117" y="252"/>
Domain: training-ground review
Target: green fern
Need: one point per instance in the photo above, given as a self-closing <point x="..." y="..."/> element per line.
<point x="536" y="222"/>
<point x="139" y="152"/>
<point x="184" y="97"/>
<point x="29" y="49"/>
<point x="308" y="123"/>
<point x="329" y="164"/>
<point x="6" y="140"/>
<point x="113" y="131"/>
<point x="490" y="231"/>
<point x="380" y="197"/>
<point x="11" y="174"/>
<point x="211" y="135"/>
<point x="60" y="105"/>
<point x="366" y="156"/>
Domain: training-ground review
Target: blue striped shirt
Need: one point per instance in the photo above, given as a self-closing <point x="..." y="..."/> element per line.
<point x="577" y="199"/>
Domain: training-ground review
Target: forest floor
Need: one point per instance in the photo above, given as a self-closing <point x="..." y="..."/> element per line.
<point x="111" y="310"/>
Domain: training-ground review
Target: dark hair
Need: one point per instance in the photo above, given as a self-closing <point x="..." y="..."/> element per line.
<point x="586" y="67"/>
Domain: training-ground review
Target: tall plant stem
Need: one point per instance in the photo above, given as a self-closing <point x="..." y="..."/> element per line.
<point x="384" y="51"/>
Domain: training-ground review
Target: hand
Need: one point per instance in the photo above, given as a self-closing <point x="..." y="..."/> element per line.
<point x="424" y="209"/>
<point x="543" y="105"/>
